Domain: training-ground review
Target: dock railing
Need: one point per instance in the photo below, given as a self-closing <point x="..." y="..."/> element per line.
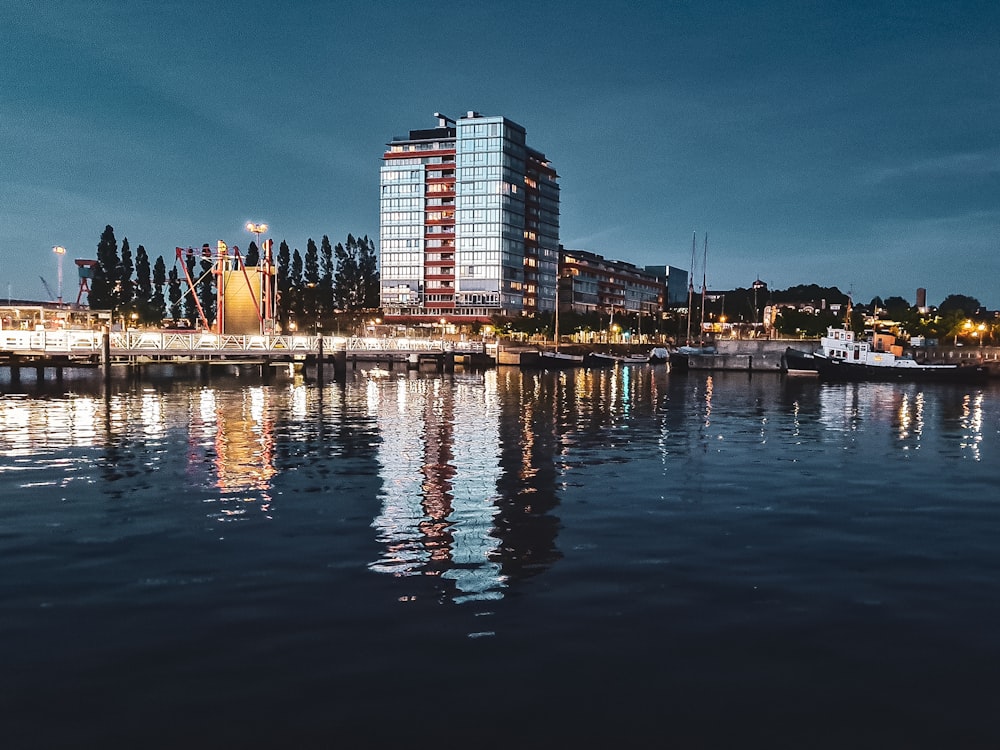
<point x="87" y="342"/>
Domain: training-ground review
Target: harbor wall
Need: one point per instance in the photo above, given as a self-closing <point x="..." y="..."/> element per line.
<point x="749" y="354"/>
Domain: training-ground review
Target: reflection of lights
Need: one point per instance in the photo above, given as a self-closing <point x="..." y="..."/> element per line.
<point x="151" y="413"/>
<point x="206" y="403"/>
<point x="972" y="424"/>
<point x="300" y="403"/>
<point x="911" y="418"/>
<point x="709" y="386"/>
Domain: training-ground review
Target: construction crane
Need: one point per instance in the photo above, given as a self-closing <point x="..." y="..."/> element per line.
<point x="48" y="289"/>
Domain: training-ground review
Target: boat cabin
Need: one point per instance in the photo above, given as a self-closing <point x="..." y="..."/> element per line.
<point x="840" y="343"/>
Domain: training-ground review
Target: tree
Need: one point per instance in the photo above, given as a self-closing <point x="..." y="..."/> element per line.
<point x="206" y="285"/>
<point x="252" y="258"/>
<point x="296" y="287"/>
<point x="791" y="322"/>
<point x="126" y="289"/>
<point x="174" y="293"/>
<point x="959" y="303"/>
<point x="157" y="305"/>
<point x="326" y="265"/>
<point x="284" y="284"/>
<point x="347" y="279"/>
<point x="103" y="293"/>
<point x="310" y="294"/>
<point x="143" y="286"/>
<point x="896" y="307"/>
<point x="809" y="293"/>
<point x="368" y="271"/>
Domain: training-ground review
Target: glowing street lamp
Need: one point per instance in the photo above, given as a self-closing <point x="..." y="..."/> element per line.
<point x="61" y="252"/>
<point x="257" y="229"/>
<point x="266" y="309"/>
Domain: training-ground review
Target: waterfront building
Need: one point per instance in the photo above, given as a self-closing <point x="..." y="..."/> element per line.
<point x="469" y="223"/>
<point x="676" y="282"/>
<point x="591" y="283"/>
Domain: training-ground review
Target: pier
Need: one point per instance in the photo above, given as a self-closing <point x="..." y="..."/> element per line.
<point x="46" y="351"/>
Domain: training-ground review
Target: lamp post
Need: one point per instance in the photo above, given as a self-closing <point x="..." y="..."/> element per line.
<point x="61" y="252"/>
<point x="266" y="312"/>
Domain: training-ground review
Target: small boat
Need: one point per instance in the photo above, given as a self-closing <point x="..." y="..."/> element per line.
<point x="798" y="362"/>
<point x="557" y="360"/>
<point x="843" y="357"/>
<point x="658" y="355"/>
<point x="599" y="359"/>
<point x="635" y="359"/>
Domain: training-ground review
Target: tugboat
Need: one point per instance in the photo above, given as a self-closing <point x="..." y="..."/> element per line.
<point x="842" y="357"/>
<point x="798" y="362"/>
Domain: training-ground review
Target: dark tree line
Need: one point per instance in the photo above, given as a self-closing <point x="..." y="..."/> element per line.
<point x="312" y="290"/>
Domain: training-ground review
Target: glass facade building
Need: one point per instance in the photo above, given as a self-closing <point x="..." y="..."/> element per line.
<point x="469" y="223"/>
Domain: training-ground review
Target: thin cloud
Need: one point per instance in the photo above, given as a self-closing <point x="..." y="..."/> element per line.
<point x="957" y="164"/>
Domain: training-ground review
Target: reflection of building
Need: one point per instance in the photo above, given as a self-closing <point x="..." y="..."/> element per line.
<point x="243" y="439"/>
<point x="530" y="449"/>
<point x="469" y="223"/>
<point x="440" y="478"/>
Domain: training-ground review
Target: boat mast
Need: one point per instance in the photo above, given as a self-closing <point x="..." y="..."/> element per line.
<point x="555" y="323"/>
<point x="704" y="263"/>
<point x="694" y="236"/>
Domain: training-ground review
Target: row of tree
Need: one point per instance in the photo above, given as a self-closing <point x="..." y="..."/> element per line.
<point x="312" y="290"/>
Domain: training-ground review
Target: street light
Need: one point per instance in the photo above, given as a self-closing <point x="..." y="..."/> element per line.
<point x="257" y="229"/>
<point x="265" y="311"/>
<point x="61" y="252"/>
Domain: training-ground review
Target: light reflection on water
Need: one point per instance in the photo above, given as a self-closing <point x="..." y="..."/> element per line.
<point x="570" y="515"/>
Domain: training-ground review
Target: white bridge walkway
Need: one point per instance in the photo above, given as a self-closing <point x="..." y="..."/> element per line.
<point x="165" y="344"/>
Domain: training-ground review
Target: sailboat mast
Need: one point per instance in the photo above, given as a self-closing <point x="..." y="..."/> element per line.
<point x="704" y="264"/>
<point x="555" y="321"/>
<point x="694" y="238"/>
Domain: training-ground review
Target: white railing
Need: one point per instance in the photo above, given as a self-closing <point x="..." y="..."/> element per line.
<point x="165" y="342"/>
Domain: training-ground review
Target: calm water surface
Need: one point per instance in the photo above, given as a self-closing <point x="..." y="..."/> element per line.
<point x="500" y="559"/>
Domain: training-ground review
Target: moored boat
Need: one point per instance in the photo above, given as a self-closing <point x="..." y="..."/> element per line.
<point x="658" y="355"/>
<point x="798" y="362"/>
<point x="634" y="359"/>
<point x="558" y="360"/>
<point x="843" y="357"/>
<point x="599" y="359"/>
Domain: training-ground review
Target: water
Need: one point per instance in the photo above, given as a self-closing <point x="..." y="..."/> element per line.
<point x="500" y="559"/>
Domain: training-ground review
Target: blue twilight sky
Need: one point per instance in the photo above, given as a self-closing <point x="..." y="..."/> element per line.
<point x="849" y="144"/>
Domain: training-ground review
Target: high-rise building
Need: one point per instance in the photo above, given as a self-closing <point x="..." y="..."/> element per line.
<point x="469" y="223"/>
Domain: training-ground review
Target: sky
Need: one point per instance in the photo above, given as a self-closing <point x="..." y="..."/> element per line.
<point x="847" y="144"/>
